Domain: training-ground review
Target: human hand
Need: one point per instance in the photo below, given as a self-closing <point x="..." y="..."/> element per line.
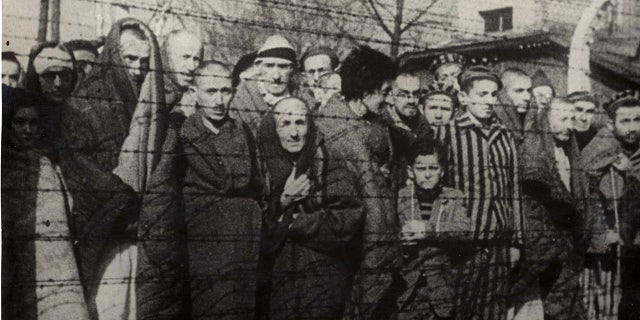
<point x="295" y="189"/>
<point x="413" y="230"/>
<point x="622" y="163"/>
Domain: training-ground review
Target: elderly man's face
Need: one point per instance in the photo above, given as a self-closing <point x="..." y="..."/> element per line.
<point x="406" y="92"/>
<point x="276" y="74"/>
<point x="291" y="125"/>
<point x="135" y="54"/>
<point x="56" y="83"/>
<point x="185" y="55"/>
<point x="317" y="66"/>
<point x="626" y="125"/>
<point x="438" y="109"/>
<point x="561" y="118"/>
<point x="214" y="92"/>
<point x="24" y="125"/>
<point x="585" y="115"/>
<point x="481" y="98"/>
<point x="448" y="74"/>
<point x="517" y="88"/>
<point x="10" y="73"/>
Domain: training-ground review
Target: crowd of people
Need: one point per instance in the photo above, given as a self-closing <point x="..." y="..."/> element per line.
<point x="140" y="181"/>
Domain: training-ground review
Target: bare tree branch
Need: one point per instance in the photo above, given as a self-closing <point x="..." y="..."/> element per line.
<point x="372" y="7"/>
<point x="418" y="16"/>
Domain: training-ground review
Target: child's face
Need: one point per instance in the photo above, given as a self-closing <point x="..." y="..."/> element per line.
<point x="24" y="124"/>
<point x="426" y="172"/>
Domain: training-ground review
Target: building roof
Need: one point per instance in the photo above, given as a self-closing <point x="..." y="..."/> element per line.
<point x="610" y="58"/>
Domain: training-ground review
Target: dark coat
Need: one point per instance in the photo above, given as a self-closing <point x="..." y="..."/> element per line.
<point x="21" y="169"/>
<point x="310" y="242"/>
<point x="95" y="124"/>
<point x="432" y="260"/>
<point x="554" y="240"/>
<point x="206" y="202"/>
<point x="506" y="112"/>
<point x="402" y="138"/>
<point x="346" y="135"/>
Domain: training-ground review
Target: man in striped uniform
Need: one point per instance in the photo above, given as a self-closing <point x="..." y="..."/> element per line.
<point x="483" y="164"/>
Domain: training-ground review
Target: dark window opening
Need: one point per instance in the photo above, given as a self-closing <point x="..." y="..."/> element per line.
<point x="498" y="20"/>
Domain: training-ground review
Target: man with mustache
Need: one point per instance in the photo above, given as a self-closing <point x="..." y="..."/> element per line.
<point x="181" y="55"/>
<point x="276" y="64"/>
<point x="484" y="165"/>
<point x="554" y="203"/>
<point x="404" y="118"/>
<point x="612" y="162"/>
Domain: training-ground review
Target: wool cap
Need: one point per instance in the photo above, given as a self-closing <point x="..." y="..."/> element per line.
<point x="277" y="46"/>
<point x="540" y="79"/>
<point x="582" y="96"/>
<point x="446" y="58"/>
<point x="478" y="73"/>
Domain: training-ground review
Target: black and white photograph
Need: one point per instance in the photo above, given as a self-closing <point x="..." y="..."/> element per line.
<point x="320" y="159"/>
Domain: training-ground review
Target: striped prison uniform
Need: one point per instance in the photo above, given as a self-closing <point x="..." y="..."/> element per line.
<point x="483" y="164"/>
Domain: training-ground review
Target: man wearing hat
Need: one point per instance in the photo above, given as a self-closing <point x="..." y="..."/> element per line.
<point x="85" y="53"/>
<point x="317" y="62"/>
<point x="484" y="165"/>
<point x="276" y="61"/>
<point x="542" y="90"/>
<point x="439" y="104"/>
<point x="586" y="107"/>
<point x="447" y="67"/>
<point x="612" y="163"/>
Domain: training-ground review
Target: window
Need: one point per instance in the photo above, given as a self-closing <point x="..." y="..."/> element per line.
<point x="498" y="20"/>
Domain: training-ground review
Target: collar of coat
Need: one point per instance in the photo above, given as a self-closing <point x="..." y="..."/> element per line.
<point x="603" y="150"/>
<point x="467" y="121"/>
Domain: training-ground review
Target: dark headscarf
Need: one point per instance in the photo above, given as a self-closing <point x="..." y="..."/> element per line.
<point x="280" y="162"/>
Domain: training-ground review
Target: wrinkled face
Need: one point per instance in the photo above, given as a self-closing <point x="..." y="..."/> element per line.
<point x="25" y="125"/>
<point x="10" y="73"/>
<point x="84" y="62"/>
<point x="585" y="115"/>
<point x="276" y="74"/>
<point x="136" y="61"/>
<point x="317" y="66"/>
<point x="448" y="74"/>
<point x="626" y="125"/>
<point x="374" y="101"/>
<point x="542" y="95"/>
<point x="406" y="92"/>
<point x="214" y="93"/>
<point x="56" y="83"/>
<point x="438" y="109"/>
<point x="561" y="119"/>
<point x="517" y="88"/>
<point x="481" y="99"/>
<point x="291" y="125"/>
<point x="184" y="53"/>
<point x="426" y="172"/>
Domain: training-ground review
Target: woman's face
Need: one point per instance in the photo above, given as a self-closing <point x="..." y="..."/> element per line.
<point x="24" y="125"/>
<point x="291" y="124"/>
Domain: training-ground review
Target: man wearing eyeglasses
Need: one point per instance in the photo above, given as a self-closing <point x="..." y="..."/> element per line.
<point x="404" y="118"/>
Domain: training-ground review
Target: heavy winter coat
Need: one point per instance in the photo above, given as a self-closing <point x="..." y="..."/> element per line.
<point x="310" y="242"/>
<point x="349" y="136"/>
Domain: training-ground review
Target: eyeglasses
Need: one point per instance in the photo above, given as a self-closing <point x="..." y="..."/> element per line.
<point x="50" y="76"/>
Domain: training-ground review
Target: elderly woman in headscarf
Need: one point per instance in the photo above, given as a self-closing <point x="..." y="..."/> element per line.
<point x="315" y="215"/>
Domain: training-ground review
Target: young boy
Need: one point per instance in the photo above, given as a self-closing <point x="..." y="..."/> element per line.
<point x="434" y="219"/>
